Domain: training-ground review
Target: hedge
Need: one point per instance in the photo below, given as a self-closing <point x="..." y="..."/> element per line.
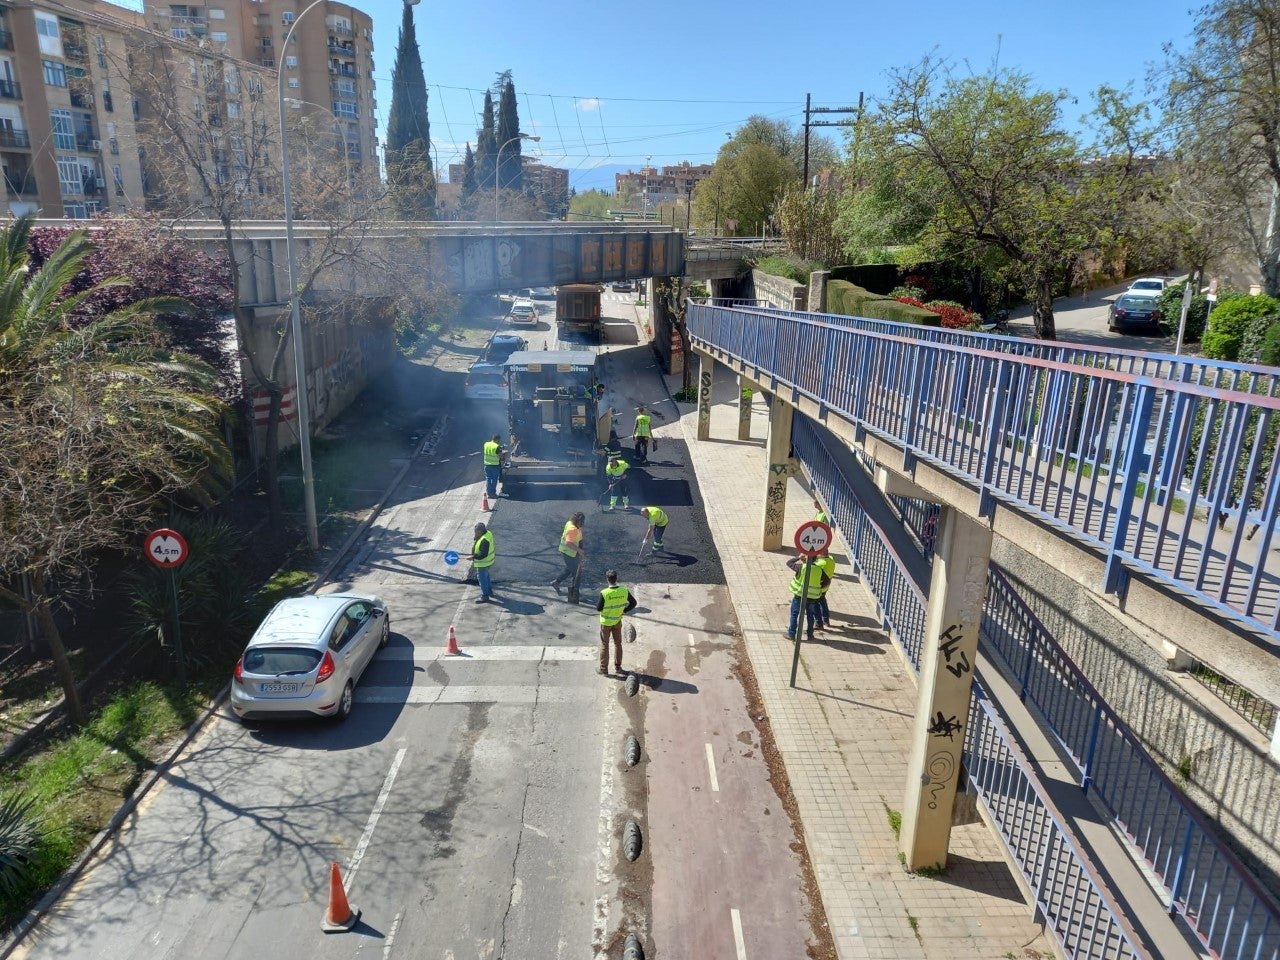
<point x="849" y="300"/>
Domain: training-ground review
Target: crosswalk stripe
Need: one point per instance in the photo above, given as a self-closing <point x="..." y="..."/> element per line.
<point x="467" y="693"/>
<point x="533" y="654"/>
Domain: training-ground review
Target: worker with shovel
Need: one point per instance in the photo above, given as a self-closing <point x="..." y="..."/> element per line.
<point x="658" y="520"/>
<point x="571" y="553"/>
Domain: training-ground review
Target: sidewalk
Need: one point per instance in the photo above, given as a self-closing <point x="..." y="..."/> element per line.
<point x="842" y="734"/>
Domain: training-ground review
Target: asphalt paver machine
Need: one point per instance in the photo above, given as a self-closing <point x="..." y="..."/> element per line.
<point x="557" y="433"/>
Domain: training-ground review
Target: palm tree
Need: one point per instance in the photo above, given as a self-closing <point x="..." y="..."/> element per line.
<point x="102" y="424"/>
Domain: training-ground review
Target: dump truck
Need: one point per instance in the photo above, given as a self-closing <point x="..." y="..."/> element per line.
<point x="578" y="309"/>
<point x="557" y="433"/>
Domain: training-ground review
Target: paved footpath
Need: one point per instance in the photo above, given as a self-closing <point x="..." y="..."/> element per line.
<point x="842" y="734"/>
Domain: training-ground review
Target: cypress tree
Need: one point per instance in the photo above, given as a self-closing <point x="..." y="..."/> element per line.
<point x="512" y="177"/>
<point x="486" y="145"/>
<point x="408" y="152"/>
<point x="468" y="173"/>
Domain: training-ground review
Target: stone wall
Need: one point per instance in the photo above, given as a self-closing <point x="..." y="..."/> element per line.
<point x="1217" y="758"/>
<point x="781" y="292"/>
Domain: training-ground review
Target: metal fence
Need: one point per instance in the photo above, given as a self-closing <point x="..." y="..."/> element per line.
<point x="1206" y="884"/>
<point x="1148" y="459"/>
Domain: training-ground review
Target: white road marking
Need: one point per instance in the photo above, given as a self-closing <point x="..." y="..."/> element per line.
<point x="604" y="841"/>
<point x="391" y="937"/>
<point x="691" y="641"/>
<point x="429" y="694"/>
<point x="737" y="934"/>
<point x="373" y="818"/>
<point x="534" y="654"/>
<point x="711" y="765"/>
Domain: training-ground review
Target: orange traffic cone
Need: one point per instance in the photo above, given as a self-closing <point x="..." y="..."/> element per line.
<point x="484" y="504"/>
<point x="453" y="642"/>
<point x="341" y="916"/>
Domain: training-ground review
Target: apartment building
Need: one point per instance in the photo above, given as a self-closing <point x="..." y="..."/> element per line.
<point x="80" y="80"/>
<point x="656" y="186"/>
<point x="68" y="143"/>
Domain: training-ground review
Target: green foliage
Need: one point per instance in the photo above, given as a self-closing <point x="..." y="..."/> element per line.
<point x="787" y="265"/>
<point x="1197" y="312"/>
<point x="19" y="842"/>
<point x="1220" y="426"/>
<point x="895" y="821"/>
<point x="507" y="141"/>
<point x="1269" y="351"/>
<point x="591" y="205"/>
<point x="285" y="583"/>
<point x="852" y="301"/>
<point x="486" y="144"/>
<point x="1236" y="318"/>
<point x="807" y="219"/>
<point x="408" y="144"/>
<point x="751" y="173"/>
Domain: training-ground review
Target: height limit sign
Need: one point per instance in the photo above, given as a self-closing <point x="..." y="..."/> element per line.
<point x="165" y="548"/>
<point x="812" y="537"/>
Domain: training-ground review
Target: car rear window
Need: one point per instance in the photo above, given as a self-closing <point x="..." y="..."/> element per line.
<point x="486" y="375"/>
<point x="278" y="661"/>
<point x="1147" y="285"/>
<point x="1138" y="303"/>
<point x="522" y="309"/>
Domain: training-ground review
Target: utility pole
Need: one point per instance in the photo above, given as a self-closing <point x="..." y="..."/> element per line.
<point x="808" y="122"/>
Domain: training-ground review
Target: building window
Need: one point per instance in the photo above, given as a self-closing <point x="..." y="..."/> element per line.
<point x="107" y="103"/>
<point x="178" y="33"/>
<point x="343" y="109"/>
<point x="233" y="109"/>
<point x="217" y="13"/>
<point x="47" y="31"/>
<point x="294" y="82"/>
<point x="291" y="62"/>
<point x="69" y="176"/>
<point x="218" y="36"/>
<point x="286" y="17"/>
<point x="55" y="74"/>
<point x="64" y="132"/>
<point x="266" y="43"/>
<point x="119" y="179"/>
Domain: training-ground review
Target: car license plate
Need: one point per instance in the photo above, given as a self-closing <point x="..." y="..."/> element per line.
<point x="278" y="687"/>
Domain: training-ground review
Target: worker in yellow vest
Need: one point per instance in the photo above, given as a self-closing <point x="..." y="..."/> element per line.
<point x="493" y="464"/>
<point x="570" y="549"/>
<point x="658" y="521"/>
<point x="806" y="590"/>
<point x="643" y="433"/>
<point x="821" y="514"/>
<point x="483" y="553"/>
<point x="822" y="617"/>
<point x="615" y="600"/>
<point x="619" y="485"/>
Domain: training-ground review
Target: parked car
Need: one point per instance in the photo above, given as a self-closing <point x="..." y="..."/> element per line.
<point x="485" y="381"/>
<point x="622" y="286"/>
<point x="523" y="312"/>
<point x="540" y="293"/>
<point x="307" y="656"/>
<point x="1135" y="309"/>
<point x="1150" y="285"/>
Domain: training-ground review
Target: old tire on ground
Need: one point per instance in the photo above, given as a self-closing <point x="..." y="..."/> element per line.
<point x="629" y="631"/>
<point x="632" y="841"/>
<point x="633" y="684"/>
<point x="632" y="950"/>
<point x="631" y="751"/>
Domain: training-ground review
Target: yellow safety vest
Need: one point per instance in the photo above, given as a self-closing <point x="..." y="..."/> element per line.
<point x="814" y="590"/>
<point x="617" y="471"/>
<point x="491" y="453"/>
<point x="642" y="425"/>
<point x="821" y="516"/>
<point x="615" y="601"/>
<point x="488" y="560"/>
<point x="657" y="516"/>
<point x="828" y="566"/>
<point x="566" y="545"/>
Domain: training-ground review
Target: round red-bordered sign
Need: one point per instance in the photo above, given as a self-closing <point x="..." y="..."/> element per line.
<point x="812" y="537"/>
<point x="165" y="548"/>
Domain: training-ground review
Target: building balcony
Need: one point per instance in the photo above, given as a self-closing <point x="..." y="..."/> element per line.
<point x="342" y="88"/>
<point x="82" y="99"/>
<point x="14" y="139"/>
<point x="342" y="51"/>
<point x="342" y="70"/>
<point x="75" y="51"/>
<point x="87" y="141"/>
<point x="10" y="90"/>
<point x="6" y="39"/>
<point x="340" y="31"/>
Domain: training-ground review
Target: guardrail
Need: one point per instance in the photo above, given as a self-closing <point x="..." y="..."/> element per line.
<point x="1148" y="470"/>
<point x="1068" y="890"/>
<point x="1206" y="883"/>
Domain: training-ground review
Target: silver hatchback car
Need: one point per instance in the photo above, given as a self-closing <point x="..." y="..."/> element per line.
<point x="307" y="656"/>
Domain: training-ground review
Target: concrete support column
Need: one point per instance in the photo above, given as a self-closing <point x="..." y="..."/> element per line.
<point x="779" y="449"/>
<point x="706" y="372"/>
<point x="745" y="395"/>
<point x="956" y="594"/>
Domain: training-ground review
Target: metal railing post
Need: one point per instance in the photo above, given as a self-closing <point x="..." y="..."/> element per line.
<point x="1086" y="762"/>
<point x="1115" y="575"/>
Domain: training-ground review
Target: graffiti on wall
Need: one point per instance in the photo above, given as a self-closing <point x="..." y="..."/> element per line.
<point x="775" y="500"/>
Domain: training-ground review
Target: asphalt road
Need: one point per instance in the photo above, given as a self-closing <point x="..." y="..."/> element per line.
<point x="1083" y="319"/>
<point x="476" y="803"/>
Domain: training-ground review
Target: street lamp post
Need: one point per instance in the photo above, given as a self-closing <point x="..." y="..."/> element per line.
<point x="497" y="166"/>
<point x="295" y="317"/>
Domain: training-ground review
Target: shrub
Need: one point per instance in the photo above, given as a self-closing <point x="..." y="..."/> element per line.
<point x="1270" y="351"/>
<point x="19" y="843"/>
<point x="787" y="265"/>
<point x="1234" y="314"/>
<point x="908" y="292"/>
<point x="1221" y="346"/>
<point x="950" y="313"/>
<point x="849" y="300"/>
<point x="1197" y="313"/>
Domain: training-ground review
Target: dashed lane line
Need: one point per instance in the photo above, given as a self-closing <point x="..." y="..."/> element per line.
<point x="737" y="934"/>
<point x="429" y="695"/>
<point x="711" y="766"/>
<point x="533" y="654"/>
<point x="381" y="802"/>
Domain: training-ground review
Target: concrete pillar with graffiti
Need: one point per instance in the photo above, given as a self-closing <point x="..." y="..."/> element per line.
<point x="745" y="396"/>
<point x="778" y="446"/>
<point x="706" y="373"/>
<point x="956" y="595"/>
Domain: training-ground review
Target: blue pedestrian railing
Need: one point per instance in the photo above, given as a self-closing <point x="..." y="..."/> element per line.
<point x="1163" y="464"/>
<point x="1207" y="885"/>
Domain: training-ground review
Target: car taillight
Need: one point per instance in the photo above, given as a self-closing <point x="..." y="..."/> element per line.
<point x="326" y="668"/>
<point x="1120" y="313"/>
<point x="466" y="383"/>
<point x="238" y="675"/>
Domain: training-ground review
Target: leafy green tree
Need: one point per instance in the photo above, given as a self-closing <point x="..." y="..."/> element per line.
<point x="408" y="153"/>
<point x="751" y="172"/>
<point x="512" y="176"/>
<point x="101" y="423"/>
<point x="807" y="219"/>
<point x="1223" y="98"/>
<point x="468" y="174"/>
<point x="984" y="164"/>
<point x="591" y="205"/>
